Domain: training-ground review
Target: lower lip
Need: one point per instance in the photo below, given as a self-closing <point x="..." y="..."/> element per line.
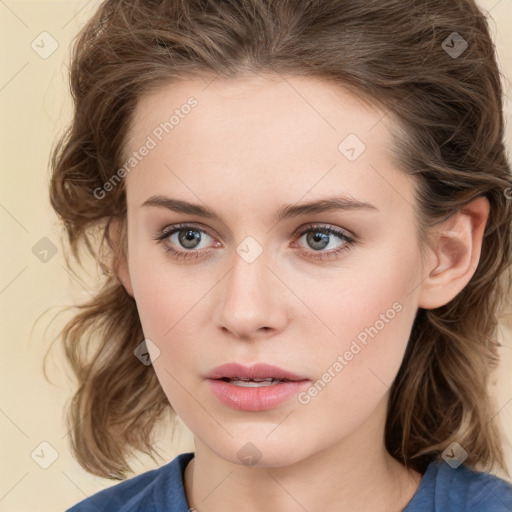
<point x="255" y="399"/>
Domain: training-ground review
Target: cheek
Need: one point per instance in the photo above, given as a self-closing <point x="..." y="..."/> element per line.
<point x="163" y="292"/>
<point x="164" y="308"/>
<point x="173" y="309"/>
<point x="371" y="310"/>
<point x="357" y="370"/>
<point x="168" y="309"/>
<point x="154" y="305"/>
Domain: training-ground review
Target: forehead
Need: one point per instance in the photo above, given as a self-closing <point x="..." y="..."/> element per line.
<point x="277" y="100"/>
<point x="264" y="133"/>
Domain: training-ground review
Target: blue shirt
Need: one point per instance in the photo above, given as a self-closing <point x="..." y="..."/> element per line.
<point x="442" y="489"/>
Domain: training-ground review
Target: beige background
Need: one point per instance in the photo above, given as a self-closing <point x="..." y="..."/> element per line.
<point x="35" y="107"/>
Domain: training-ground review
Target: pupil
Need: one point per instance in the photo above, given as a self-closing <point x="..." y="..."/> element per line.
<point x="187" y="238"/>
<point x="317" y="237"/>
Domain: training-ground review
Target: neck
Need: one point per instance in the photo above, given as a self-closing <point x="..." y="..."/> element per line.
<point x="356" y="474"/>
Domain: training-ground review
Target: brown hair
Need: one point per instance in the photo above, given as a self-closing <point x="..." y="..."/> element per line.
<point x="450" y="131"/>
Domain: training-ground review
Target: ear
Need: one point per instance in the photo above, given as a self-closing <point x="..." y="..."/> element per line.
<point x="117" y="235"/>
<point x="458" y="244"/>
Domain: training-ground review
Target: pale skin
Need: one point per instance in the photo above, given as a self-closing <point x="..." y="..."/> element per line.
<point x="248" y="148"/>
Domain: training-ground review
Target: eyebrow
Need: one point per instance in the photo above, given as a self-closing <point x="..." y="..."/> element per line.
<point x="343" y="203"/>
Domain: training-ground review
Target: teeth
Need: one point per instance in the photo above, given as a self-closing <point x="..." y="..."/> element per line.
<point x="268" y="379"/>
<point x="254" y="383"/>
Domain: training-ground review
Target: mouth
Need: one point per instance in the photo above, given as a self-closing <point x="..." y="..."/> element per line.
<point x="253" y="383"/>
<point x="254" y="388"/>
<point x="260" y="374"/>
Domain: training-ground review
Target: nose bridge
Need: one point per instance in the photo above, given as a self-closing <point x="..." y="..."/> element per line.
<point x="249" y="300"/>
<point x="249" y="271"/>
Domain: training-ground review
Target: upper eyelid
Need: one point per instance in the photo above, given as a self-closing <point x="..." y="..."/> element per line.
<point x="326" y="227"/>
<point x="175" y="228"/>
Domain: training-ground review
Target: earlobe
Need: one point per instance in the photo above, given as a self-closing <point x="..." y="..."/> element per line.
<point x="117" y="234"/>
<point x="458" y="244"/>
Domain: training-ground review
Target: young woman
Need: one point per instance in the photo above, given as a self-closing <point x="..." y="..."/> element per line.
<point x="304" y="216"/>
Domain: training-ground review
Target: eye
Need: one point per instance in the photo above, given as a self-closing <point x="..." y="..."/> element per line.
<point x="185" y="241"/>
<point x="320" y="237"/>
<point x="186" y="236"/>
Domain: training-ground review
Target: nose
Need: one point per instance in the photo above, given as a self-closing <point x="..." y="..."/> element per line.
<point x="251" y="301"/>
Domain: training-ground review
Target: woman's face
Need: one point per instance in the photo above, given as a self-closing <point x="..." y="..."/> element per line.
<point x="262" y="280"/>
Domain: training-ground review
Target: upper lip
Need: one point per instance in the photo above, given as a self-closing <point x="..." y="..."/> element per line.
<point x="256" y="371"/>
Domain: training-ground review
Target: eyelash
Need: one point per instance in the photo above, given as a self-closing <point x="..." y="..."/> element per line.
<point x="325" y="229"/>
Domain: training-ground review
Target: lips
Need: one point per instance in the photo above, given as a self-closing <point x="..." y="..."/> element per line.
<point x="254" y="388"/>
<point x="256" y="372"/>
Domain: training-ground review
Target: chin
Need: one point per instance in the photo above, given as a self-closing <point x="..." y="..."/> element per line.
<point x="259" y="452"/>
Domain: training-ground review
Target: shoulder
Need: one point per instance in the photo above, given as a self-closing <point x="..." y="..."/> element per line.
<point x="149" y="492"/>
<point x="460" y="489"/>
